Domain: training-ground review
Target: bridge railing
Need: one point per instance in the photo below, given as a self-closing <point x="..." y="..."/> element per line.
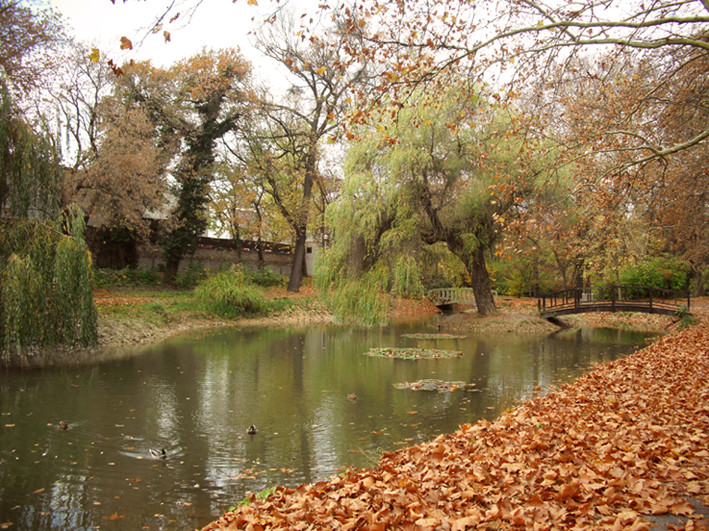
<point x="451" y="296"/>
<point x="614" y="298"/>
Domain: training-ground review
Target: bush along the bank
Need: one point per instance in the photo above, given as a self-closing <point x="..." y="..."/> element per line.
<point x="45" y="285"/>
<point x="265" y="277"/>
<point x="658" y="272"/>
<point x="229" y="294"/>
<point x="191" y="277"/>
<point x="127" y="277"/>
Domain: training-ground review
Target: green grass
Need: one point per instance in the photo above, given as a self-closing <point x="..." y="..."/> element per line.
<point x="162" y="306"/>
<point x="157" y="307"/>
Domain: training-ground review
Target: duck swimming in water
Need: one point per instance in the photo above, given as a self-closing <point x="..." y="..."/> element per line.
<point x="63" y="425"/>
<point x="252" y="430"/>
<point x="158" y="454"/>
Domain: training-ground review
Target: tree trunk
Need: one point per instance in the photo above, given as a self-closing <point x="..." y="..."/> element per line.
<point x="259" y="253"/>
<point x="298" y="266"/>
<point x="480" y="279"/>
<point x="301" y="224"/>
<point x="171" y="269"/>
<point x="698" y="290"/>
<point x="579" y="267"/>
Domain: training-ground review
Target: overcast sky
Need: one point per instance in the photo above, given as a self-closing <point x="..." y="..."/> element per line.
<point x="216" y="24"/>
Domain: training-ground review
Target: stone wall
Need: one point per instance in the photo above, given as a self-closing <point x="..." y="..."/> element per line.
<point x="212" y="255"/>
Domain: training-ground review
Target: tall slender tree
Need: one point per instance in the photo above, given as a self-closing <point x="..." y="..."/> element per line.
<point x="298" y="124"/>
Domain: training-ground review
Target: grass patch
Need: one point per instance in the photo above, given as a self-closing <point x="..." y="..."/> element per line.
<point x="156" y="307"/>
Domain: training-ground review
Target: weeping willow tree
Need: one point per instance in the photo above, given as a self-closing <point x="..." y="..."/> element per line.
<point x="45" y="265"/>
<point x="445" y="172"/>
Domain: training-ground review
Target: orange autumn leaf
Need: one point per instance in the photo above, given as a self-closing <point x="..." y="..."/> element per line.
<point x="126" y="43"/>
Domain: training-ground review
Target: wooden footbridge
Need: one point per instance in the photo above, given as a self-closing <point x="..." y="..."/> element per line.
<point x="446" y="297"/>
<point x="613" y="299"/>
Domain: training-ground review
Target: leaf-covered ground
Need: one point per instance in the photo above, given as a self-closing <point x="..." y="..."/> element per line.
<point x="623" y="445"/>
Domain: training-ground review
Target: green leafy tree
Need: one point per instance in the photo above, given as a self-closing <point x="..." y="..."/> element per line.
<point x="45" y="266"/>
<point x="30" y="170"/>
<point x="438" y="174"/>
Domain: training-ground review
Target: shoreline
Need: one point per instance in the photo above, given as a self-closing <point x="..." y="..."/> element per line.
<point x="121" y="337"/>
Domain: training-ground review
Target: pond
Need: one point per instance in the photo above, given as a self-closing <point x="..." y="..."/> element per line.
<point x="319" y="404"/>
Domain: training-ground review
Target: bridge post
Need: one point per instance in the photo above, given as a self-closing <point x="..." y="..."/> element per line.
<point x="613" y="296"/>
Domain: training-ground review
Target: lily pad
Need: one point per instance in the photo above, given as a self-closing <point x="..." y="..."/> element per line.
<point x="433" y="336"/>
<point x="435" y="385"/>
<point x="412" y="353"/>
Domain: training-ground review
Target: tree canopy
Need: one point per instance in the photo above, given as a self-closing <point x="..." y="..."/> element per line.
<point x="420" y="181"/>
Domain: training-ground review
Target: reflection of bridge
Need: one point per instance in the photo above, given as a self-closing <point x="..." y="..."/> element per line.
<point x="613" y="299"/>
<point x="443" y="297"/>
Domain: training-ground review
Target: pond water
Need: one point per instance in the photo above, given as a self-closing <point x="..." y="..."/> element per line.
<point x="196" y="396"/>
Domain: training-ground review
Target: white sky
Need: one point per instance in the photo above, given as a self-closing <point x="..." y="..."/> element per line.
<point x="216" y="24"/>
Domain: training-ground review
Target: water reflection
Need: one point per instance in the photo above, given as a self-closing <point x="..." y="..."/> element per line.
<point x="196" y="398"/>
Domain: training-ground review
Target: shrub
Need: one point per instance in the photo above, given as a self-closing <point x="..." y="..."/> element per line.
<point x="658" y="272"/>
<point x="265" y="277"/>
<point x="228" y="294"/>
<point x="191" y="277"/>
<point x="126" y="277"/>
<point x="518" y="277"/>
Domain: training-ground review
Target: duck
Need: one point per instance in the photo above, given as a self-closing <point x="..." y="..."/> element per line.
<point x="252" y="430"/>
<point x="352" y="396"/>
<point x="62" y="425"/>
<point x="158" y="454"/>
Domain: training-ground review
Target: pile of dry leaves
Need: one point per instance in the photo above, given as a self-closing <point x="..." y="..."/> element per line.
<point x="623" y="443"/>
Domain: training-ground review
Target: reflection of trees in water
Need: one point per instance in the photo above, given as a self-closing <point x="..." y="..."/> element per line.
<point x="202" y="394"/>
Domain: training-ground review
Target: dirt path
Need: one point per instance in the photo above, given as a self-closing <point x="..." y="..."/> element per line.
<point x="624" y="447"/>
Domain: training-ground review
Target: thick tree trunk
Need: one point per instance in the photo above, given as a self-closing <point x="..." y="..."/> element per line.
<point x="479" y="277"/>
<point x="480" y="280"/>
